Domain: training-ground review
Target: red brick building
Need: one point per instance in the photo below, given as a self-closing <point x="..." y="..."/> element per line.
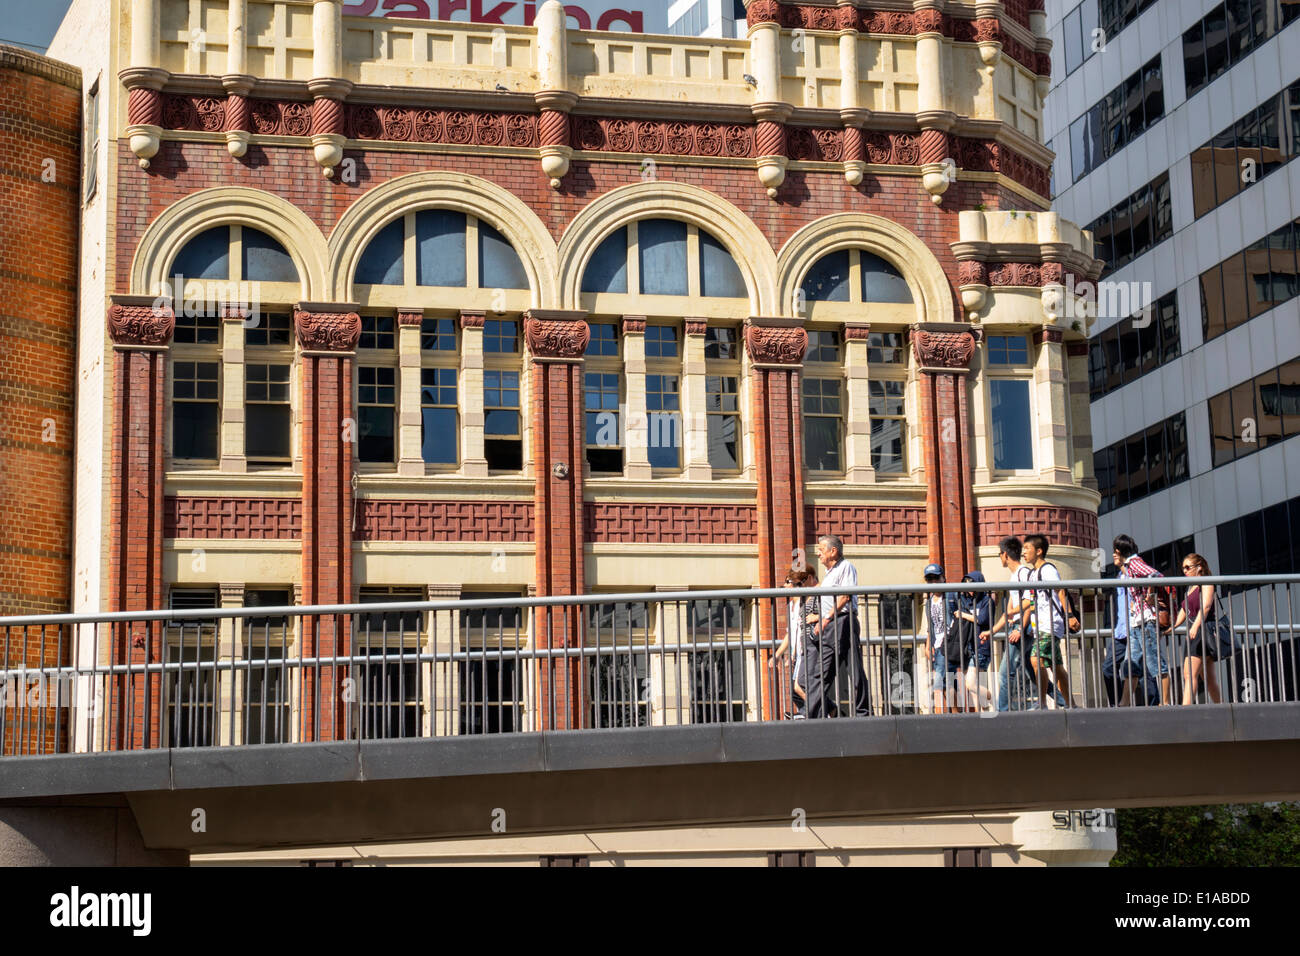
<point x="406" y="308"/>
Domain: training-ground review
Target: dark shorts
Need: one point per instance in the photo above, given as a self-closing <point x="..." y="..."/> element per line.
<point x="1208" y="642"/>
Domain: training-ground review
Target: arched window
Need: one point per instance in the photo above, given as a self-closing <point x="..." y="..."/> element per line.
<point x="432" y="248"/>
<point x="668" y="257"/>
<point x="210" y="255"/>
<point x="857" y="277"/>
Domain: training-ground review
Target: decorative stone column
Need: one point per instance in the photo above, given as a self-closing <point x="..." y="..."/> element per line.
<point x="857" y="441"/>
<point x="327" y="86"/>
<point x="557" y="342"/>
<point x="636" y="428"/>
<point x="233" y="419"/>
<point x="943" y="353"/>
<point x="442" y="716"/>
<point x="776" y="350"/>
<point x="140" y="329"/>
<point x="770" y="112"/>
<point x="410" y="416"/>
<point x="932" y="111"/>
<point x="1081" y="413"/>
<point x="695" y="416"/>
<point x="1054" y="455"/>
<point x="553" y="97"/>
<point x="327" y="336"/>
<point x="230" y="683"/>
<point x="852" y="113"/>
<point x="237" y="80"/>
<point x="473" y="461"/>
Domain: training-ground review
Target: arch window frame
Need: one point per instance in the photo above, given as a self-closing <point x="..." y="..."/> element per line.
<point x="636" y="302"/>
<point x="857" y="308"/>
<point x="472" y="296"/>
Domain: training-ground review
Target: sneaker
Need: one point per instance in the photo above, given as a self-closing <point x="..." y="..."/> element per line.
<point x="799" y="717"/>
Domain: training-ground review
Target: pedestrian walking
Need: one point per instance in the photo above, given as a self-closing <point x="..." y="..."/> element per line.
<point x="835" y="648"/>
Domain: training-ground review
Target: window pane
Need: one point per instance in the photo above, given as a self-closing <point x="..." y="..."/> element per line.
<point x="438" y="436"/>
<point x="382" y="262"/>
<point x="377" y="434"/>
<point x="438" y="335"/>
<point x="662" y="246"/>
<point x="1013" y="434"/>
<point x="206" y="256"/>
<point x="828" y="279"/>
<point x="194" y="430"/>
<point x="724" y="451"/>
<point x="268" y="431"/>
<point x="607" y="270"/>
<point x="881" y="282"/>
<point x="440" y="248"/>
<point x="719" y="274"/>
<point x="265" y="260"/>
<point x="604" y="339"/>
<point x="499" y="265"/>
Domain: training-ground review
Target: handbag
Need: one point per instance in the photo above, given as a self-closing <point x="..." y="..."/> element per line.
<point x="1224" y="635"/>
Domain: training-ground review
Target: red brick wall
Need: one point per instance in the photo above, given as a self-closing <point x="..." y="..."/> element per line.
<point x="40" y="163"/>
<point x="40" y="125"/>
<point x="182" y="168"/>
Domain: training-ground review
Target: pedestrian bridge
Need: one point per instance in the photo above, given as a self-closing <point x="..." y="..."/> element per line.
<point x="663" y="722"/>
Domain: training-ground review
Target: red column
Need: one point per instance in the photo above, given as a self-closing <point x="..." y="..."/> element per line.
<point x="557" y="342"/>
<point x="140" y="329"/>
<point x="943" y="352"/>
<point x="329" y="433"/>
<point x="776" y="349"/>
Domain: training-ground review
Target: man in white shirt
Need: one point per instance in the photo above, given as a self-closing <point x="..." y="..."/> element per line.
<point x="1051" y="610"/>
<point x="835" y="642"/>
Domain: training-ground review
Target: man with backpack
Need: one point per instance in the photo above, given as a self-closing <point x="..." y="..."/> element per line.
<point x="1015" y="617"/>
<point x="1144" y="613"/>
<point x="1053" y="613"/>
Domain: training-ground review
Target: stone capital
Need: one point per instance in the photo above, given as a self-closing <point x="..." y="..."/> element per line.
<point x="943" y="347"/>
<point x="325" y="327"/>
<point x="556" y="335"/>
<point x="776" y="342"/>
<point x="138" y="320"/>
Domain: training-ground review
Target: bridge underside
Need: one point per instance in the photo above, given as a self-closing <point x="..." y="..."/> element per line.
<point x="303" y="795"/>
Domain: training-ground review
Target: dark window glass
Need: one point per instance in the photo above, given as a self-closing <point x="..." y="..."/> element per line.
<point x="722" y="405"/>
<point x="1008" y="350"/>
<point x="377" y="413"/>
<point x="886" y="348"/>
<point x="719" y="275"/>
<point x="501" y="336"/>
<point x="377" y="333"/>
<point x="662" y="247"/>
<point x="881" y="282"/>
<point x="607" y="269"/>
<point x="663" y="405"/>
<point x="439" y="423"/>
<point x="266" y="412"/>
<point x="601" y="401"/>
<point x="1013" y="432"/>
<point x="604" y="339"/>
<point x="888" y="425"/>
<point x="1074" y="42"/>
<point x="499" y="265"/>
<point x="1277" y="539"/>
<point x="828" y="279"/>
<point x="275" y="328"/>
<point x="383" y="262"/>
<point x="438" y="335"/>
<point x="1222" y="429"/>
<point x="823" y="346"/>
<point x="206" y="256"/>
<point x="265" y="260"/>
<point x="195" y="411"/>
<point x="1194" y="57"/>
<point x="440" y="248"/>
<point x="1216" y="44"/>
<point x="721" y="343"/>
<point x="661" y="341"/>
<point x="823" y="424"/>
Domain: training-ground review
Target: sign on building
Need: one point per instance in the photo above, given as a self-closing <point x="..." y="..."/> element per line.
<point x="630" y="15"/>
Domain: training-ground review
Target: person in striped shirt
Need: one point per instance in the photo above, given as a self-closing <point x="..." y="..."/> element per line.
<point x="1145" y="653"/>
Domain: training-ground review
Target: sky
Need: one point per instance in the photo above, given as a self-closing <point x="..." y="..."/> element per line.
<point x="31" y="23"/>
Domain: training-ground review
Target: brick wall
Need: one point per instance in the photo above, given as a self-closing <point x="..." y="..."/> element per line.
<point x="40" y="160"/>
<point x="183" y="168"/>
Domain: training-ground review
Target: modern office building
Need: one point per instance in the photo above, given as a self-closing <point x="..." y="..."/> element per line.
<point x="1174" y="125"/>
<point x="377" y="308"/>
<point x="707" y="18"/>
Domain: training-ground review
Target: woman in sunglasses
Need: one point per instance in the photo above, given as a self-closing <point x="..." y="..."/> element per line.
<point x="1203" y="634"/>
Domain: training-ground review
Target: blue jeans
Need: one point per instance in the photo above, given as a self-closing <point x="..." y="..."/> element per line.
<point x="1146" y="653"/>
<point x="1009" y="671"/>
<point x="1119" y="665"/>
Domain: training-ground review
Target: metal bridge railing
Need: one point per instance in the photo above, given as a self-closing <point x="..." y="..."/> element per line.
<point x="249" y="676"/>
